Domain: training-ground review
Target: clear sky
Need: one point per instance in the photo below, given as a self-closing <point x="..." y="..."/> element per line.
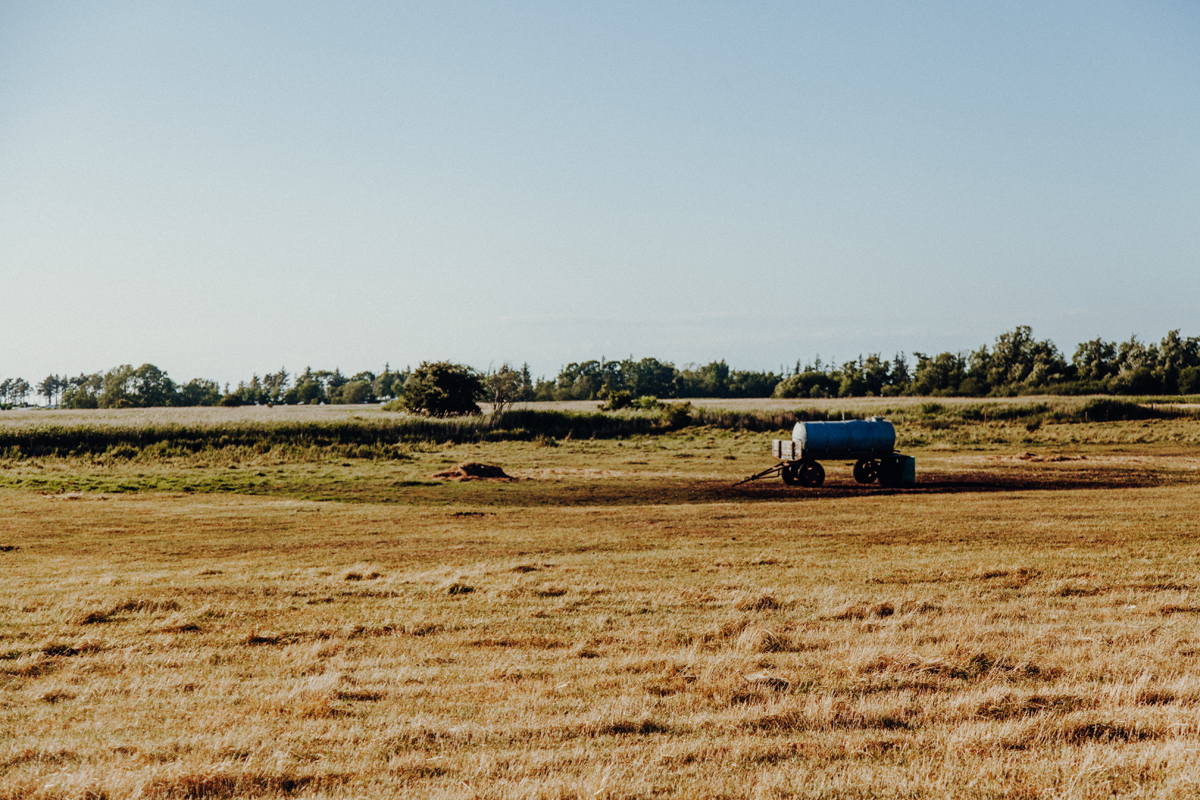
<point x="221" y="188"/>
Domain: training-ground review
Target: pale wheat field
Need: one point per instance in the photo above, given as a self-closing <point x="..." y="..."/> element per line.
<point x="257" y="415"/>
<point x="617" y="622"/>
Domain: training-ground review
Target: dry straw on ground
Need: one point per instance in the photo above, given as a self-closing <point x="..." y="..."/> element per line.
<point x="607" y="637"/>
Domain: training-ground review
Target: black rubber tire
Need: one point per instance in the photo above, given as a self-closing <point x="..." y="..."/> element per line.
<point x="812" y="474"/>
<point x="789" y="474"/>
<point x="866" y="471"/>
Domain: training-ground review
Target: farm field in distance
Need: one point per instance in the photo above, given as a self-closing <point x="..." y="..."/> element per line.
<point x="617" y="621"/>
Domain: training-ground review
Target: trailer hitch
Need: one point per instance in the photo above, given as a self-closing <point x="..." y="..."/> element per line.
<point x="769" y="471"/>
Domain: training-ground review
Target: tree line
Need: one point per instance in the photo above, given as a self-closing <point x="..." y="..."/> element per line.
<point x="1016" y="363"/>
<point x="148" y="386"/>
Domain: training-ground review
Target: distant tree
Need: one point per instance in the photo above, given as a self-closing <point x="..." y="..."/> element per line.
<point x="503" y="387"/>
<point x="308" y="389"/>
<point x="1136" y="363"/>
<point x="716" y="379"/>
<point x="812" y="382"/>
<point x="48" y="388"/>
<point x="357" y="390"/>
<point x="545" y="389"/>
<point x="274" y="386"/>
<point x="334" y="380"/>
<point x="747" y="383"/>
<point x="588" y="380"/>
<point x="875" y="374"/>
<point x="710" y="380"/>
<point x="199" y="392"/>
<point x="442" y="389"/>
<point x="19" y="391"/>
<point x="353" y="392"/>
<point x="1189" y="380"/>
<point x="83" y="391"/>
<point x="899" y="378"/>
<point x="1175" y="354"/>
<point x="1019" y="361"/>
<point x="117" y="389"/>
<point x="151" y="387"/>
<point x="648" y="377"/>
<point x="1095" y="360"/>
<point x="250" y="393"/>
<point x="939" y="375"/>
<point x="390" y="383"/>
<point x="526" y="383"/>
<point x="864" y="377"/>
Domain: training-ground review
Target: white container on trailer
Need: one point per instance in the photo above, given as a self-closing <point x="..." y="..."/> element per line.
<point x="850" y="439"/>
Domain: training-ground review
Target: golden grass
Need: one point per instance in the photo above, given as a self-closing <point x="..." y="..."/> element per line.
<point x="1013" y="628"/>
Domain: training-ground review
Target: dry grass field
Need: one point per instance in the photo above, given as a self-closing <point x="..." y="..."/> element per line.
<point x="615" y="622"/>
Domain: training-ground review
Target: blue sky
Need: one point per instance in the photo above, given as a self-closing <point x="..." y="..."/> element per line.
<point x="226" y="188"/>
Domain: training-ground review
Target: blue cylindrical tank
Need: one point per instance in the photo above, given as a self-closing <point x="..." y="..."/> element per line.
<point x="852" y="438"/>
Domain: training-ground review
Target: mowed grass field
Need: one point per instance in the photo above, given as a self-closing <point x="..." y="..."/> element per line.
<point x="618" y="621"/>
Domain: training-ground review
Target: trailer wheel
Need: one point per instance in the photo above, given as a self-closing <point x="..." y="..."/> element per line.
<point x="812" y="474"/>
<point x="789" y="474"/>
<point x="865" y="471"/>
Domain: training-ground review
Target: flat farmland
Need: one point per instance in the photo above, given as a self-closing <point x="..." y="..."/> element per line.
<point x="615" y="621"/>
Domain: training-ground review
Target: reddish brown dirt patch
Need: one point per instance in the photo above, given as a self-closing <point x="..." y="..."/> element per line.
<point x="473" y="471"/>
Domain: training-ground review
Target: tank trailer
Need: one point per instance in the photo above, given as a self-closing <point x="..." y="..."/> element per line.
<point x="869" y="443"/>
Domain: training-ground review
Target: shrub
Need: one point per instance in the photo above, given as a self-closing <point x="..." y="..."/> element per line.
<point x="1105" y="410"/>
<point x="443" y="389"/>
<point x="648" y="403"/>
<point x="677" y="415"/>
<point x="618" y="400"/>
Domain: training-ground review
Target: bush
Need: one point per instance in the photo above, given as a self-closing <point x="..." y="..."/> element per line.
<point x="1107" y="410"/>
<point x="677" y="415"/>
<point x="443" y="389"/>
<point x="618" y="400"/>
